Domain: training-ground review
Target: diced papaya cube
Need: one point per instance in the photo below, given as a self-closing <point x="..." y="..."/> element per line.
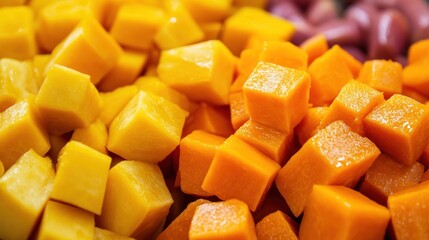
<point x="215" y="120"/>
<point x="399" y="127"/>
<point x="21" y="124"/>
<point x="310" y="123"/>
<point x="238" y="110"/>
<point x="338" y="212"/>
<point x="16" y="81"/>
<point x="382" y="75"/>
<point x="17" y="39"/>
<point x="24" y="191"/>
<point x="232" y="175"/>
<point x="125" y="72"/>
<point x="229" y="219"/>
<point x="277" y="96"/>
<point x="62" y="221"/>
<point x="113" y="102"/>
<point x="88" y="39"/>
<point x="352" y="63"/>
<point x="414" y="94"/>
<point x="208" y="11"/>
<point x="134" y="21"/>
<point x="409" y="212"/>
<point x="248" y="21"/>
<point x="211" y="30"/>
<point x="154" y="85"/>
<point x="329" y="73"/>
<point x="277" y="225"/>
<point x="56" y="21"/>
<point x="81" y="171"/>
<point x="270" y="141"/>
<point x="162" y="120"/>
<point x="103" y="234"/>
<point x="387" y="176"/>
<point x="179" y="228"/>
<point x="335" y="155"/>
<point x="197" y="151"/>
<point x="94" y="136"/>
<point x="418" y="51"/>
<point x="352" y="104"/>
<point x="179" y="30"/>
<point x="315" y="47"/>
<point x="203" y="71"/>
<point x="137" y="200"/>
<point x="67" y="100"/>
<point x="415" y="76"/>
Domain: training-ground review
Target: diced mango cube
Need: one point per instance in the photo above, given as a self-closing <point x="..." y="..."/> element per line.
<point x="17" y="39"/>
<point x="114" y="102"/>
<point x="137" y="199"/>
<point x="39" y="64"/>
<point x="24" y="191"/>
<point x="135" y="25"/>
<point x="337" y="212"/>
<point x="103" y="234"/>
<point x="125" y="72"/>
<point x="94" y="136"/>
<point x="277" y="96"/>
<point x="249" y="21"/>
<point x="88" y="39"/>
<point x="196" y="154"/>
<point x="232" y="175"/>
<point x="147" y="129"/>
<point x="81" y="177"/>
<point x="16" y="81"/>
<point x="203" y="71"/>
<point x="335" y="155"/>
<point x="156" y="86"/>
<point x="309" y="125"/>
<point x="67" y="100"/>
<point x="21" y="124"/>
<point x="62" y="221"/>
<point x="211" y="30"/>
<point x="180" y="29"/>
<point x="56" y="21"/>
<point x="227" y="219"/>
<point x="399" y="127"/>
<point x="238" y="110"/>
<point x="208" y="11"/>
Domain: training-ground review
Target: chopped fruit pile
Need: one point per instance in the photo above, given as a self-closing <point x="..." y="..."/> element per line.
<point x="220" y="119"/>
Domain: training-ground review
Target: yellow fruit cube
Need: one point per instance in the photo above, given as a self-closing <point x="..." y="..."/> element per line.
<point x="16" y="81"/>
<point x="88" y="49"/>
<point x="208" y="11"/>
<point x="125" y="72"/>
<point x="154" y="85"/>
<point x="21" y="124"/>
<point x="94" y="136"/>
<point x="135" y="25"/>
<point x="56" y="21"/>
<point x="250" y="21"/>
<point x="147" y="129"/>
<point x="211" y="30"/>
<point x="17" y="38"/>
<point x="114" y="102"/>
<point x="67" y="100"/>
<point x="179" y="30"/>
<point x="203" y="71"/>
<point x="137" y="199"/>
<point x="61" y="221"/>
<point x="39" y="64"/>
<point x="102" y="234"/>
<point x="81" y="177"/>
<point x="24" y="191"/>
